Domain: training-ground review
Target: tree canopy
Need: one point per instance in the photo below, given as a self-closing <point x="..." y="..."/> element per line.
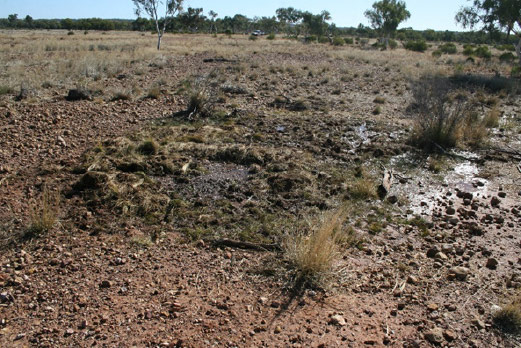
<point x="386" y="15"/>
<point x="494" y="16"/>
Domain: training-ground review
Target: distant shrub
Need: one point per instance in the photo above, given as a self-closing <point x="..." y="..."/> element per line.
<point x="468" y="50"/>
<point x="393" y="44"/>
<point x="338" y="41"/>
<point x="483" y="52"/>
<point x="253" y="37"/>
<point x="508" y="318"/>
<point x="507" y="57"/>
<point x="506" y="47"/>
<point x="154" y="93"/>
<point x="516" y="72"/>
<point x="5" y="90"/>
<point x="311" y="38"/>
<point x="448" y="48"/>
<point x="436" y="53"/>
<point x="270" y="37"/>
<point x="417" y="46"/>
<point x="323" y="39"/>
<point x="228" y="32"/>
<point x="70" y="33"/>
<point x="349" y="40"/>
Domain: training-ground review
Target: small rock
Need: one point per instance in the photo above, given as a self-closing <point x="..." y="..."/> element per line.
<point x="263" y="300"/>
<point x="105" y="284"/>
<point x="492" y="263"/>
<point x="432" y="307"/>
<point x="412" y="280"/>
<point x="480" y="324"/>
<point x="495" y="201"/>
<point x="337" y="320"/>
<point x="502" y="194"/>
<point x="450" y="211"/>
<point x="459" y="272"/>
<point x="435" y="336"/>
<point x="449" y="335"/>
<point x="69" y="332"/>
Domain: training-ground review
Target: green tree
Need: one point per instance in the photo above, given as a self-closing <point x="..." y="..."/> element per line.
<point x="212" y="14"/>
<point x="151" y="7"/>
<point x="289" y="18"/>
<point x="385" y="17"/>
<point x="494" y="15"/>
<point x="316" y="24"/>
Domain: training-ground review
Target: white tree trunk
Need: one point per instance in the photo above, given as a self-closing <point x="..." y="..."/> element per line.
<point x="159" y="36"/>
<point x="518" y="51"/>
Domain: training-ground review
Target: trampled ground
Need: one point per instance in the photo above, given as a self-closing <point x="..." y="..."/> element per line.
<point x="280" y="135"/>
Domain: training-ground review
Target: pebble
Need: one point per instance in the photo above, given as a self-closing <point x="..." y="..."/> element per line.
<point x="492" y="263"/>
<point x="435" y="336"/>
<point x="105" y="284"/>
<point x="459" y="272"/>
<point x="338" y="320"/>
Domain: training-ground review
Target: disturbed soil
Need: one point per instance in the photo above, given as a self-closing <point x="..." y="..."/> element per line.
<point x="150" y="191"/>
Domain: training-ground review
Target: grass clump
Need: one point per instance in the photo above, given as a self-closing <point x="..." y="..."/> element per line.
<point x="149" y="147"/>
<point x="338" y="41"/>
<point x="44" y="213"/>
<point x="362" y="188"/>
<point x="508" y="318"/>
<point x="483" y="52"/>
<point x="5" y="90"/>
<point x="270" y="37"/>
<point x="154" y="93"/>
<point x="312" y="254"/>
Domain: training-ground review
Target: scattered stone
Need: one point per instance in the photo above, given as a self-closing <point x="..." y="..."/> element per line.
<point x="412" y="280"/>
<point x="459" y="273"/>
<point x="495" y="201"/>
<point x="435" y="336"/>
<point x="337" y="320"/>
<point x="432" y="307"/>
<point x="79" y="94"/>
<point x="105" y="284"/>
<point x="432" y="252"/>
<point x="449" y="335"/>
<point x="492" y="263"/>
<point x="480" y="324"/>
<point x="502" y="194"/>
<point x="450" y="211"/>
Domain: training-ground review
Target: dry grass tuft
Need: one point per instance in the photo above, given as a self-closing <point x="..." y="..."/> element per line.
<point x="44" y="213"/>
<point x="508" y="319"/>
<point x="312" y="255"/>
<point x="362" y="188"/>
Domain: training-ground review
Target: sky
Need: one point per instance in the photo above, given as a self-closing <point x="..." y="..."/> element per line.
<point x="437" y="15"/>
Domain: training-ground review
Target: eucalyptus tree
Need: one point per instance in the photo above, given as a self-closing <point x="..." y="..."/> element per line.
<point x="153" y="7"/>
<point x="386" y="16"/>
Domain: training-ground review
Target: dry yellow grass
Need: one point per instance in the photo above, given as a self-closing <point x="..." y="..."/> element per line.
<point x="313" y="254"/>
<point x="44" y="213"/>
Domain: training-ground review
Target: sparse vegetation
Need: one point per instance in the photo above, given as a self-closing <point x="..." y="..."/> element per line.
<point x="417" y="46"/>
<point x="44" y="213"/>
<point x="508" y="318"/>
<point x="313" y="253"/>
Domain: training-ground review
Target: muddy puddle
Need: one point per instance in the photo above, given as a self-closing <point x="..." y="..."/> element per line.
<point x="426" y="190"/>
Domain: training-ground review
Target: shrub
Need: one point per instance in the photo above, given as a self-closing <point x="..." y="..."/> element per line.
<point x="508" y="318"/>
<point x="121" y="95"/>
<point x="70" y="33"/>
<point x="312" y="254"/>
<point x="44" y="213"/>
<point x="483" y="52"/>
<point x="436" y="53"/>
<point x="349" y="40"/>
<point x="338" y="41"/>
<point x="362" y="188"/>
<point x="377" y="110"/>
<point x="311" y="38"/>
<point x="149" y="147"/>
<point x="270" y="37"/>
<point x="448" y="48"/>
<point x="323" y="39"/>
<point x="393" y="44"/>
<point x="507" y="57"/>
<point x="5" y="90"/>
<point x="506" y="47"/>
<point x="516" y="72"/>
<point x="417" y="46"/>
<point x="468" y="50"/>
<point x="253" y="37"/>
<point x="438" y="116"/>
<point x="154" y="93"/>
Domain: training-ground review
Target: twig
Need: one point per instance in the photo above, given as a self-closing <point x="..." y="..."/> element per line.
<point x="245" y="245"/>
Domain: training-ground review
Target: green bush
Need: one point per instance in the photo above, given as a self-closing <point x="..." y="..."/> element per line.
<point x="271" y="36"/>
<point x="468" y="50"/>
<point x="417" y="46"/>
<point x="349" y="40"/>
<point x="506" y="47"/>
<point x="323" y="39"/>
<point x="516" y="72"/>
<point x="5" y="90"/>
<point x="483" y="52"/>
<point x="393" y="44"/>
<point x="436" y="53"/>
<point x="311" y="38"/>
<point x="507" y="57"/>
<point x="448" y="48"/>
<point x="253" y="37"/>
<point x="338" y="41"/>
